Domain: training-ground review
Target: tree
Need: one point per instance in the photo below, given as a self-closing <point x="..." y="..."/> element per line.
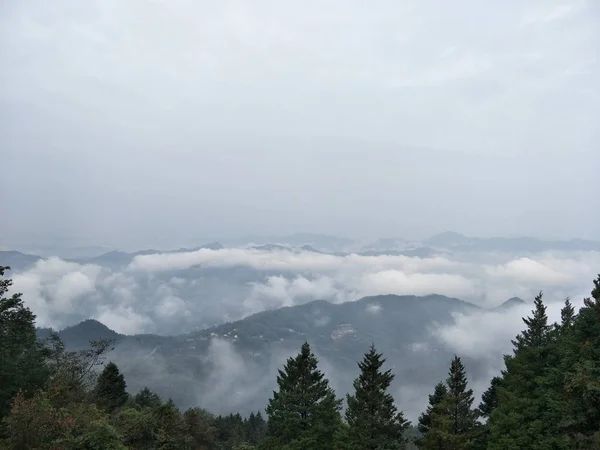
<point x="304" y="413"/>
<point x="200" y="425"/>
<point x="171" y="433"/>
<point x="73" y="373"/>
<point x="567" y="315"/>
<point x="520" y="419"/>
<point x="110" y="391"/>
<point x="424" y="424"/>
<point x="145" y="398"/>
<point x="256" y="428"/>
<point x="453" y="422"/>
<point x="489" y="399"/>
<point x="373" y="419"/>
<point x="580" y="408"/>
<point x="137" y="428"/>
<point x="36" y="423"/>
<point x="22" y="357"/>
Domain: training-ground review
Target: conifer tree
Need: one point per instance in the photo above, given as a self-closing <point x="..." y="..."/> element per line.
<point x="453" y="422"/>
<point x="580" y="408"/>
<point x="145" y="398"/>
<point x="110" y="391"/>
<point x="439" y="393"/>
<point x="567" y="315"/>
<point x="489" y="402"/>
<point x="520" y="419"/>
<point x="489" y="399"/>
<point x="304" y="413"/>
<point x="373" y="419"/>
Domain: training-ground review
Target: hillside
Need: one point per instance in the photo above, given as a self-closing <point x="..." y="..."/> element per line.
<point x="204" y="366"/>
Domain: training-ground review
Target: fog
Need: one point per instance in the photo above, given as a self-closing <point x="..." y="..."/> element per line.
<point x="151" y="124"/>
<point x="179" y="292"/>
<point x="176" y="292"/>
<point x="161" y="124"/>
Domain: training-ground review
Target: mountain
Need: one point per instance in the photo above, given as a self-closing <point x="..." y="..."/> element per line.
<point x="233" y="366"/>
<point x="17" y="260"/>
<point x="321" y="242"/>
<point x="119" y="258"/>
<point x="456" y="241"/>
<point x="510" y="303"/>
<point x="419" y="252"/>
<point x="79" y="336"/>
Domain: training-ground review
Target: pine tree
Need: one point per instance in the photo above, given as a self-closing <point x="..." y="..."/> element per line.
<point x="580" y="366"/>
<point x="489" y="402"/>
<point x="145" y="398"/>
<point x="304" y="413"/>
<point x="110" y="391"/>
<point x="439" y="393"/>
<point x="255" y="428"/>
<point x="567" y="314"/>
<point x="373" y="419"/>
<point x="489" y="399"/>
<point x="520" y="419"/>
<point x="453" y="422"/>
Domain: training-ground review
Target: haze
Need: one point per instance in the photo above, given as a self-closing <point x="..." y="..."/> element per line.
<point x="160" y="123"/>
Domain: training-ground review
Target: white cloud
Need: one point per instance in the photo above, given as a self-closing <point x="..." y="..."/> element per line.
<point x="373" y="308"/>
<point x="157" y="300"/>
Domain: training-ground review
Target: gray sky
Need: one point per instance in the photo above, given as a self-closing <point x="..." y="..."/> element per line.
<point x="139" y="123"/>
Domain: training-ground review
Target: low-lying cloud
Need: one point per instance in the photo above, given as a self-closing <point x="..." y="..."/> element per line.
<point x="175" y="292"/>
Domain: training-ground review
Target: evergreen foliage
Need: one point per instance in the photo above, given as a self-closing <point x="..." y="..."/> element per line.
<point x="547" y="398"/>
<point x="304" y="413"/>
<point x="452" y="422"/>
<point x="373" y="420"/>
<point x="110" y="392"/>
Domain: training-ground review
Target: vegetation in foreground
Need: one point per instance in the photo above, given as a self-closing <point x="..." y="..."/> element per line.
<point x="546" y="398"/>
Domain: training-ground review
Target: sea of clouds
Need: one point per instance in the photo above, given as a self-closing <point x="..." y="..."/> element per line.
<point x="172" y="293"/>
<point x="169" y="293"/>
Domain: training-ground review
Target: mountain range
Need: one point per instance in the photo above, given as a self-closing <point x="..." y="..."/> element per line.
<point x="232" y="366"/>
<point x="443" y="243"/>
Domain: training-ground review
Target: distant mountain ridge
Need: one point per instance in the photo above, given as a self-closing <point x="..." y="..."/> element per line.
<point x="457" y="241"/>
<point x="179" y="366"/>
<point x="438" y="245"/>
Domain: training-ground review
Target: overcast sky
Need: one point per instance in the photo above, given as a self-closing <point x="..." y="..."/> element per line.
<point x="139" y="123"/>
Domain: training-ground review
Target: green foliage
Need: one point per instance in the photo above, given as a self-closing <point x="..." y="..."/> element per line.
<point x="110" y="391"/>
<point x="99" y="435"/>
<point x="519" y="419"/>
<point x="22" y="358"/>
<point x="424" y="424"/>
<point x="137" y="427"/>
<point x="580" y="363"/>
<point x="373" y="419"/>
<point x="451" y="422"/>
<point x="147" y="399"/>
<point x="549" y="394"/>
<point x="547" y="398"/>
<point x="171" y="430"/>
<point x="36" y="423"/>
<point x="304" y="413"/>
<point x="200" y="425"/>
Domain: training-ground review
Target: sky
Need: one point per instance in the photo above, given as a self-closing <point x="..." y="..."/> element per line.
<point x="160" y="123"/>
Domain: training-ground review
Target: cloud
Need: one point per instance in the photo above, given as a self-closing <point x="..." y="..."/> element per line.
<point x="175" y="292"/>
<point x="494" y="330"/>
<point x="373" y="308"/>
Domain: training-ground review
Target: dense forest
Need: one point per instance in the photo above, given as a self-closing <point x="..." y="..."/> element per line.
<point x="547" y="397"/>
